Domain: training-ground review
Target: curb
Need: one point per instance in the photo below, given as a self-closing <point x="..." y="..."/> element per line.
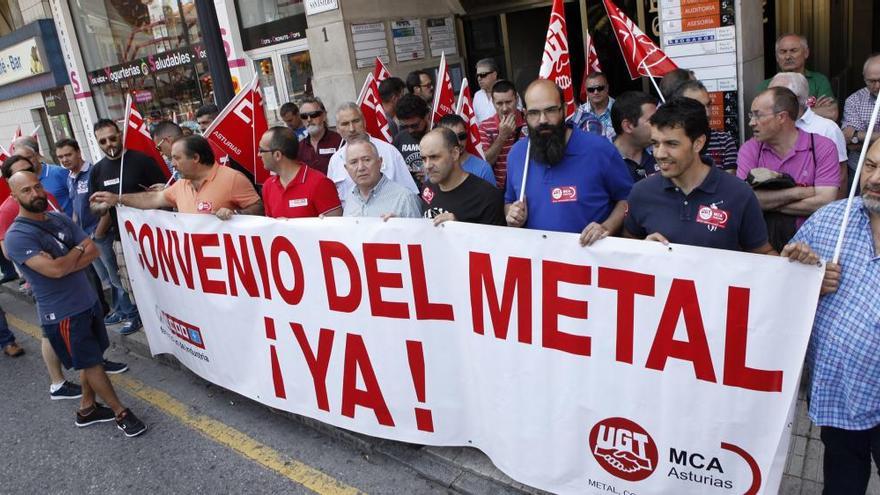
<point x="461" y="469"/>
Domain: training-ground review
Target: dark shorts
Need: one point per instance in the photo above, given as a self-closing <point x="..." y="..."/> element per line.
<point x="79" y="340"/>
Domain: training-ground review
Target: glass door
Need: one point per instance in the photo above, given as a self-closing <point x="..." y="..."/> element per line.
<point x="296" y="68"/>
<point x="265" y="68"/>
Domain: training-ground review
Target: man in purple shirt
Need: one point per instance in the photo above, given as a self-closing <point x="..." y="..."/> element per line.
<point x="778" y="145"/>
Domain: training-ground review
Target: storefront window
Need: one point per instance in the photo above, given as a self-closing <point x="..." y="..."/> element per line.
<point x="270" y="22"/>
<point x="298" y="72"/>
<point x="147" y="48"/>
<point x="264" y="11"/>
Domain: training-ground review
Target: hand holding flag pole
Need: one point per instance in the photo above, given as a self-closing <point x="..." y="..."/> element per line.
<point x="852" y="190"/>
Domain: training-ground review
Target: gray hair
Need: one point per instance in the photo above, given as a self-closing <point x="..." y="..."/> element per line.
<point x="349" y="105"/>
<point x="488" y="63"/>
<point x="797" y="83"/>
<point x="873" y="59"/>
<point x="314" y="100"/>
<point x="362" y="138"/>
<point x="800" y="37"/>
<point x="27" y="142"/>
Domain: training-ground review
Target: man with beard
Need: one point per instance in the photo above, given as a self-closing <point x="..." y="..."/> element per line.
<point x="139" y="174"/>
<point x="420" y="83"/>
<point x="316" y="150"/>
<point x="577" y="181"/>
<point x="412" y="118"/>
<point x="53" y="177"/>
<point x="689" y="201"/>
<point x="451" y="193"/>
<point x="844" y="351"/>
<point x="52" y="253"/>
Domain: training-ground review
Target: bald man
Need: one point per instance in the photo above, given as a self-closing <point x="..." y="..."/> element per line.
<point x="53" y="254"/>
<point x="577" y="181"/>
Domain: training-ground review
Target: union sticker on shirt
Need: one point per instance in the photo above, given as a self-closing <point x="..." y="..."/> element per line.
<point x="82" y="187"/>
<point x="563" y="194"/>
<point x="296" y="203"/>
<point x="111" y="182"/>
<point x="427" y="195"/>
<point x="205" y="207"/>
<point x="712" y="216"/>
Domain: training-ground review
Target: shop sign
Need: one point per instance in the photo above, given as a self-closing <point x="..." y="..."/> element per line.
<point x="55" y="102"/>
<point x="20" y="61"/>
<point x="272" y="33"/>
<point x="317" y="6"/>
<point x="146" y="65"/>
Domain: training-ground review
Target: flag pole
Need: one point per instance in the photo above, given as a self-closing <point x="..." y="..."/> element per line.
<point x="651" y="77"/>
<point x="522" y="189"/>
<point x="254" y="142"/>
<point x="852" y="189"/>
<point x="124" y="133"/>
<point x="441" y="75"/>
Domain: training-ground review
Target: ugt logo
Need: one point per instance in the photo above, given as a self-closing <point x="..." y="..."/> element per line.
<point x="624" y="449"/>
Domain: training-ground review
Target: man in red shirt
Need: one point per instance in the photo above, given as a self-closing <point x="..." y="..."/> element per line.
<point x="316" y="150"/>
<point x="499" y="132"/>
<point x="297" y="191"/>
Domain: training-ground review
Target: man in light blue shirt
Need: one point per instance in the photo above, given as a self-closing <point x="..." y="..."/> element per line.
<point x="374" y="195"/>
<point x="470" y="163"/>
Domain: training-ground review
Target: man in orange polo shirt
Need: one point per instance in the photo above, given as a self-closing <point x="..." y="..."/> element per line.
<point x="205" y="187"/>
<point x="297" y="190"/>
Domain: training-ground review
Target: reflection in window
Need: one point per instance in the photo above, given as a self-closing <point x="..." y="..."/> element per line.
<point x="256" y="12"/>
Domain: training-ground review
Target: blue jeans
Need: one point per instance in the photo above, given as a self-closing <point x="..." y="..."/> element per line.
<point x="6" y="336"/>
<point x="121" y="303"/>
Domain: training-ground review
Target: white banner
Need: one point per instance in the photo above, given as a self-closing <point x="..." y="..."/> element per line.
<point x="626" y="367"/>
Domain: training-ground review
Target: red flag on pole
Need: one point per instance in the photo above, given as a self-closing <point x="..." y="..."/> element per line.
<point x="375" y="121"/>
<point x="135" y="136"/>
<point x="14" y="137"/>
<point x="381" y="72"/>
<point x="555" y="64"/>
<point x="465" y="109"/>
<point x="444" y="96"/>
<point x="592" y="59"/>
<point x="642" y="56"/>
<point x="239" y="127"/>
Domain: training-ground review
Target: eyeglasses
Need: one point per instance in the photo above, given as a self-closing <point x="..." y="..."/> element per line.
<point x="482" y="75"/>
<point x="550" y="112"/>
<point x="595" y="89"/>
<point x="428" y="85"/>
<point x="759" y="115"/>
<point x="112" y="139"/>
<point x="311" y="115"/>
<point x="261" y="150"/>
<point x="161" y="142"/>
<point x="409" y="127"/>
<point x="871" y="82"/>
<point x="462" y="136"/>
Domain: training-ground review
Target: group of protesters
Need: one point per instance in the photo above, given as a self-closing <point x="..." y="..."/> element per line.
<point x="631" y="166"/>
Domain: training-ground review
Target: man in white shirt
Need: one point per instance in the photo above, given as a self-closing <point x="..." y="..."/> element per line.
<point x="487" y="74"/>
<point x="349" y="123"/>
<point x="809" y="121"/>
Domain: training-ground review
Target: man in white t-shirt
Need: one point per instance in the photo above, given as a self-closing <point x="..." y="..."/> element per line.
<point x="487" y="74"/>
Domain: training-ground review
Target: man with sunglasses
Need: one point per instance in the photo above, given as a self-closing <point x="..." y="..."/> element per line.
<point x="598" y="105"/>
<point x="316" y="150"/>
<point x="412" y="118"/>
<point x="487" y="74"/>
<point x="471" y="164"/>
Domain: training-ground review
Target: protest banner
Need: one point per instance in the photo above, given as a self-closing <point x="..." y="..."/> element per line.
<point x="626" y="367"/>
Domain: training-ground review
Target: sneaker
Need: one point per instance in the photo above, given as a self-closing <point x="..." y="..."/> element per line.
<point x="13" y="350"/>
<point x="67" y="390"/>
<point x="114" y="368"/>
<point x="99" y="414"/>
<point x="113" y="318"/>
<point x="130" y="424"/>
<point x="9" y="278"/>
<point x="131" y="326"/>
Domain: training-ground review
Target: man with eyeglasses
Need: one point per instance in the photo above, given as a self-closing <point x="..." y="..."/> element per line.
<point x="471" y="164"/>
<point x="779" y="147"/>
<point x="577" y="181"/>
<point x="421" y="84"/>
<point x="499" y="132"/>
<point x="857" y="112"/>
<point x="139" y="174"/>
<point x="412" y="120"/>
<point x="322" y="143"/>
<point x="598" y="105"/>
<point x="350" y="123"/>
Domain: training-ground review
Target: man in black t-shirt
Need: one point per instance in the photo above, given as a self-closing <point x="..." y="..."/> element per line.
<point x="451" y="193"/>
<point x="412" y="115"/>
<point x="139" y="173"/>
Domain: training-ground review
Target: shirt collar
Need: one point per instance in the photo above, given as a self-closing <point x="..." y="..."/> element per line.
<point x="375" y="190"/>
<point x="84" y="169"/>
<point x="808" y="116"/>
<point x="709" y="184"/>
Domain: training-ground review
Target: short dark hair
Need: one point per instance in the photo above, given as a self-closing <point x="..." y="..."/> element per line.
<point x="503" y="86"/>
<point x="410" y="106"/>
<point x="597" y="74"/>
<point x="684" y="86"/>
<point x="673" y="79"/>
<point x="283" y="139"/>
<point x="289" y="107"/>
<point x="628" y="106"/>
<point x="61" y="143"/>
<point x="209" y="109"/>
<point x="414" y="79"/>
<point x="102" y="123"/>
<point x="686" y="113"/>
<point x="197" y="145"/>
<point x="784" y="100"/>
<point x="166" y="128"/>
<point x="6" y="168"/>
<point x="451" y="119"/>
<point x="389" y="88"/>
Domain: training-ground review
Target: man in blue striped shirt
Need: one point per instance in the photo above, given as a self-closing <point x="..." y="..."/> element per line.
<point x="374" y="194"/>
<point x="844" y="350"/>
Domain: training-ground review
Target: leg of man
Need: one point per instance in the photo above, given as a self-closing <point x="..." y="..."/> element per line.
<point x="123" y="270"/>
<point x="53" y="365"/>
<point x="875" y="446"/>
<point x="8" y="269"/>
<point x="123" y="304"/>
<point x="847" y="461"/>
<point x="99" y="383"/>
<point x="7" y="339"/>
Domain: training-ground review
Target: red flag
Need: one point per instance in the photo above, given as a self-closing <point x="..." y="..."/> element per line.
<point x="642" y="56"/>
<point x="444" y="96"/>
<point x="135" y="136"/>
<point x="14" y="137"/>
<point x="592" y="59"/>
<point x="556" y="65"/>
<point x="375" y="120"/>
<point x="239" y="127"/>
<point x="465" y="109"/>
<point x="381" y="72"/>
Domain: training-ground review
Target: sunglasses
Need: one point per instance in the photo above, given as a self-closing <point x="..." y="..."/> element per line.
<point x="481" y="75"/>
<point x="108" y="140"/>
<point x="462" y="136"/>
<point x="311" y="115"/>
<point x="595" y="89"/>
